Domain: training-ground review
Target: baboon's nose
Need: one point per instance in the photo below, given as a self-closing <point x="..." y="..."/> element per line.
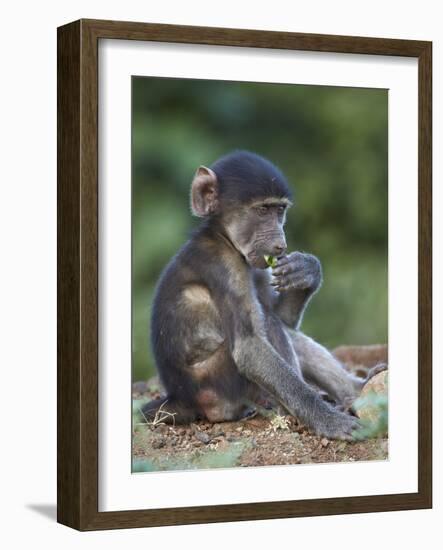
<point x="279" y="248"/>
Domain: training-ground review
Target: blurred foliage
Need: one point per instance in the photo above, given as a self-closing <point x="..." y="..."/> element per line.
<point x="332" y="145"/>
<point x="208" y="459"/>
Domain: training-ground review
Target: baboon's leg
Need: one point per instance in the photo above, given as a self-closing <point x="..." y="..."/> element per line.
<point x="221" y="391"/>
<point x="320" y="368"/>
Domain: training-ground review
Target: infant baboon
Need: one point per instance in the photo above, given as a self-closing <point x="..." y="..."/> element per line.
<point x="225" y="331"/>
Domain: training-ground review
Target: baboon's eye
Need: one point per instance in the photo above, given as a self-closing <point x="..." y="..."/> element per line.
<point x="262" y="210"/>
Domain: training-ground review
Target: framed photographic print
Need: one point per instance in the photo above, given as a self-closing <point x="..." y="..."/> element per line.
<point x="244" y="229"/>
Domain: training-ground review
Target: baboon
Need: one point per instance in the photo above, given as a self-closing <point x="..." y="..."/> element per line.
<point x="225" y="328"/>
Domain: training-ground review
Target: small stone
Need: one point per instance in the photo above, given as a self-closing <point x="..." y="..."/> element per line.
<point x="158" y="443"/>
<point x="324" y="442"/>
<point x="202" y="436"/>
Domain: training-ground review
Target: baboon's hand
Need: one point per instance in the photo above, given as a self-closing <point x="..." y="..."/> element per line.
<point x="297" y="271"/>
<point x="336" y="425"/>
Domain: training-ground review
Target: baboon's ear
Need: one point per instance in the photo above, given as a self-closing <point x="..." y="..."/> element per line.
<point x="204" y="193"/>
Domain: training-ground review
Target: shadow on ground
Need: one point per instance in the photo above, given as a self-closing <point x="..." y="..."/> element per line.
<point x="48" y="511"/>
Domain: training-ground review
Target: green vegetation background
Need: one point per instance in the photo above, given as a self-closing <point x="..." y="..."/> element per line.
<point x="332" y="144"/>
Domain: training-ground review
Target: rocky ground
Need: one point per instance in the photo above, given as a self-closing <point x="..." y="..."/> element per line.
<point x="268" y="438"/>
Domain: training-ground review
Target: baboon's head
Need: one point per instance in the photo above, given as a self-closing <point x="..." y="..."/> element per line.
<point x="248" y="197"/>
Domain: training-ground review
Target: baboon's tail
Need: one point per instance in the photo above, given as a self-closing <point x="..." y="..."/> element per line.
<point x="169" y="411"/>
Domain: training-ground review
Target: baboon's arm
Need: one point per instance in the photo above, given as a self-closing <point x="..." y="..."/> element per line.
<point x="296" y="278"/>
<point x="258" y="361"/>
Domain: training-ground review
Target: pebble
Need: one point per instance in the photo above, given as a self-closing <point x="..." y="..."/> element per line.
<point x="158" y="443"/>
<point x="202" y="436"/>
<point x="324" y="442"/>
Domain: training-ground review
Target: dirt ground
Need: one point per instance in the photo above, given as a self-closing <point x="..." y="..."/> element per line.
<point x="267" y="438"/>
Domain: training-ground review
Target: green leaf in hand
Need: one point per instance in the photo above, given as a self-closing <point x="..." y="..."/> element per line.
<point x="271" y="261"/>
